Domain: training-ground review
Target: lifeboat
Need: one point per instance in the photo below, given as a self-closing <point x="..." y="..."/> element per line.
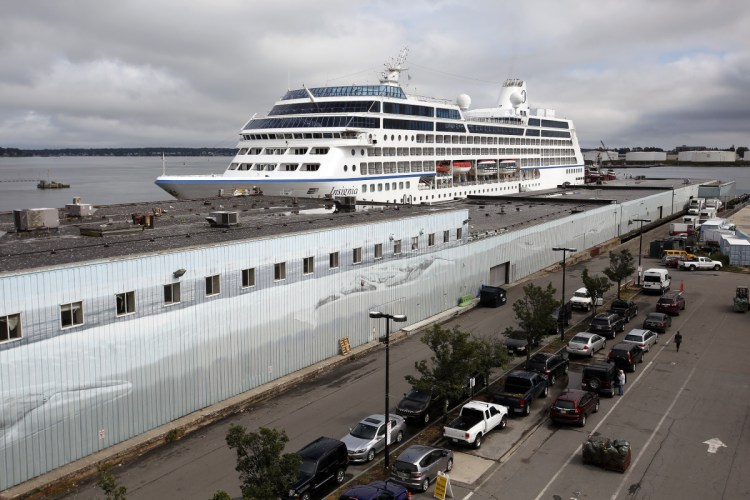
<point x="508" y="165"/>
<point x="461" y="167"/>
<point x="486" y="167"/>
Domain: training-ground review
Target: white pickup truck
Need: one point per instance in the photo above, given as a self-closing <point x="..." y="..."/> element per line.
<point x="700" y="263"/>
<point x="476" y="419"/>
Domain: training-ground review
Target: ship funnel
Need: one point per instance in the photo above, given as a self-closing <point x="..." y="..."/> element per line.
<point x="513" y="96"/>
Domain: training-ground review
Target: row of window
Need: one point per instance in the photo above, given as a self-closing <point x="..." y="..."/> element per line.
<point x="71" y="314"/>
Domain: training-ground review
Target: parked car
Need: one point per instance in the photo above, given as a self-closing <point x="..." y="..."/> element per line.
<point x="657" y="322"/>
<point x="626" y="356"/>
<point x="600" y="377"/>
<point x="627" y="309"/>
<point x="476" y="419"/>
<point x="418" y="466"/>
<point x="520" y="390"/>
<point x="552" y="365"/>
<point x="561" y="316"/>
<point x="582" y="299"/>
<point x="672" y="261"/>
<point x="417" y="406"/>
<point x="586" y="344"/>
<point x="518" y="344"/>
<point x="642" y="338"/>
<point x="377" y="490"/>
<point x="324" y="460"/>
<point x="574" y="405"/>
<point x="368" y="437"/>
<point x="671" y="303"/>
<point x="607" y="324"/>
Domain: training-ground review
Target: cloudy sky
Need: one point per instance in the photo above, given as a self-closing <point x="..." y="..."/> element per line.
<point x="96" y="73"/>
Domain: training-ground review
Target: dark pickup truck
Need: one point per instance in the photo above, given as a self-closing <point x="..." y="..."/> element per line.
<point x="521" y="389"/>
<point x="552" y="365"/>
<point x="625" y="309"/>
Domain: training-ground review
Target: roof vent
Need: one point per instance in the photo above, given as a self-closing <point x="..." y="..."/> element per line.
<point x="223" y="219"/>
<point x="36" y="218"/>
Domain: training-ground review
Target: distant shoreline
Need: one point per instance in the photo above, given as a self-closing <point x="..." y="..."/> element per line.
<point x="172" y="151"/>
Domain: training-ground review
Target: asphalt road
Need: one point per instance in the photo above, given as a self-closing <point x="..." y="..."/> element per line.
<point x="673" y="404"/>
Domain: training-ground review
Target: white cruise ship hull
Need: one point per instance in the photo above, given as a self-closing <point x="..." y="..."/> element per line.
<point x="377" y="143"/>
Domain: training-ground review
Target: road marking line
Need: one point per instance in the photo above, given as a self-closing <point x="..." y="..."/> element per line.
<point x="651" y="437"/>
<point x="601" y="422"/>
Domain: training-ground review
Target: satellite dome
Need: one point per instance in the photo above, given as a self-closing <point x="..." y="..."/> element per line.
<point x="463" y="101"/>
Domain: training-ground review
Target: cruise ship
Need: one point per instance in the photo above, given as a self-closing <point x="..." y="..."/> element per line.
<point x="378" y="143"/>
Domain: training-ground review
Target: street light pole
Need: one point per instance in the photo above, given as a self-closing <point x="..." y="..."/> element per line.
<point x="386" y="340"/>
<point x="563" y="311"/>
<point x="640" y="246"/>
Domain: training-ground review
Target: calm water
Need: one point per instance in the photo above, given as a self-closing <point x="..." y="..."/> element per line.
<point x="107" y="180"/>
<point x="96" y="180"/>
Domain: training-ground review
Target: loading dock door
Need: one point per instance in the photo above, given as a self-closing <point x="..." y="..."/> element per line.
<point x="500" y="274"/>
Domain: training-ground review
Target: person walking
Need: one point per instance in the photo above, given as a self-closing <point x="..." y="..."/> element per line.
<point x="678" y="340"/>
<point x="621" y="382"/>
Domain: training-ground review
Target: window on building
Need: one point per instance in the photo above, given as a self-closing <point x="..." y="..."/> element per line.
<point x="397" y="247"/>
<point x="248" y="277"/>
<point x="446" y="236"/>
<point x="171" y="294"/>
<point x="279" y="271"/>
<point x="125" y="303"/>
<point x="10" y="327"/>
<point x="213" y="285"/>
<point x="415" y="242"/>
<point x="378" y="250"/>
<point x="459" y="233"/>
<point x="431" y="240"/>
<point x="71" y="314"/>
<point x="308" y="265"/>
<point x="357" y="255"/>
<point x="333" y="260"/>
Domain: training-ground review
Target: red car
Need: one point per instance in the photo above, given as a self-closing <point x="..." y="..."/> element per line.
<point x="671" y="303"/>
<point x="573" y="406"/>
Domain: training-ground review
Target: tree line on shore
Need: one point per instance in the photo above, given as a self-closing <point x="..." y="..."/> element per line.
<point x="16" y="152"/>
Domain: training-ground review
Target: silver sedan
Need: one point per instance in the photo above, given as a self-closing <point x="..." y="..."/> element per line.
<point x="586" y="344"/>
<point x="642" y="338"/>
<point x="368" y="437"/>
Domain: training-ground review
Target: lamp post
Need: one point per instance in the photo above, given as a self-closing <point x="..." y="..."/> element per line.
<point x="386" y="340"/>
<point x="563" y="312"/>
<point x="640" y="246"/>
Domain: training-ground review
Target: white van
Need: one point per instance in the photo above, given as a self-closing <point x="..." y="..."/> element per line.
<point x="656" y="281"/>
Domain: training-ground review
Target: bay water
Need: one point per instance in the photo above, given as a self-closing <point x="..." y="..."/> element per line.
<point x="101" y="180"/>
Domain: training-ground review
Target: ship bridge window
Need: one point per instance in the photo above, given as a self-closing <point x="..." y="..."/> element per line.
<point x="10" y="327"/>
<point x="289" y="167"/>
<point x="310" y="167"/>
<point x="299" y="151"/>
<point x="320" y="151"/>
<point x="254" y="151"/>
<point x="325" y="107"/>
<point x="233" y="166"/>
<point x="348" y="90"/>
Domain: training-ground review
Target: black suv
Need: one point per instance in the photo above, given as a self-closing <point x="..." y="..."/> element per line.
<point x="550" y="364"/>
<point x="626" y="356"/>
<point x="323" y="460"/>
<point x="600" y="377"/>
<point x="607" y="324"/>
<point x="418" y="405"/>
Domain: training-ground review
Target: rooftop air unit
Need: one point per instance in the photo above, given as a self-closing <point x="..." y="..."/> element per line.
<point x="36" y="218"/>
<point x="223" y="219"/>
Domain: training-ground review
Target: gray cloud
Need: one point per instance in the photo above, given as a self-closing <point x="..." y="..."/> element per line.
<point x="86" y="73"/>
